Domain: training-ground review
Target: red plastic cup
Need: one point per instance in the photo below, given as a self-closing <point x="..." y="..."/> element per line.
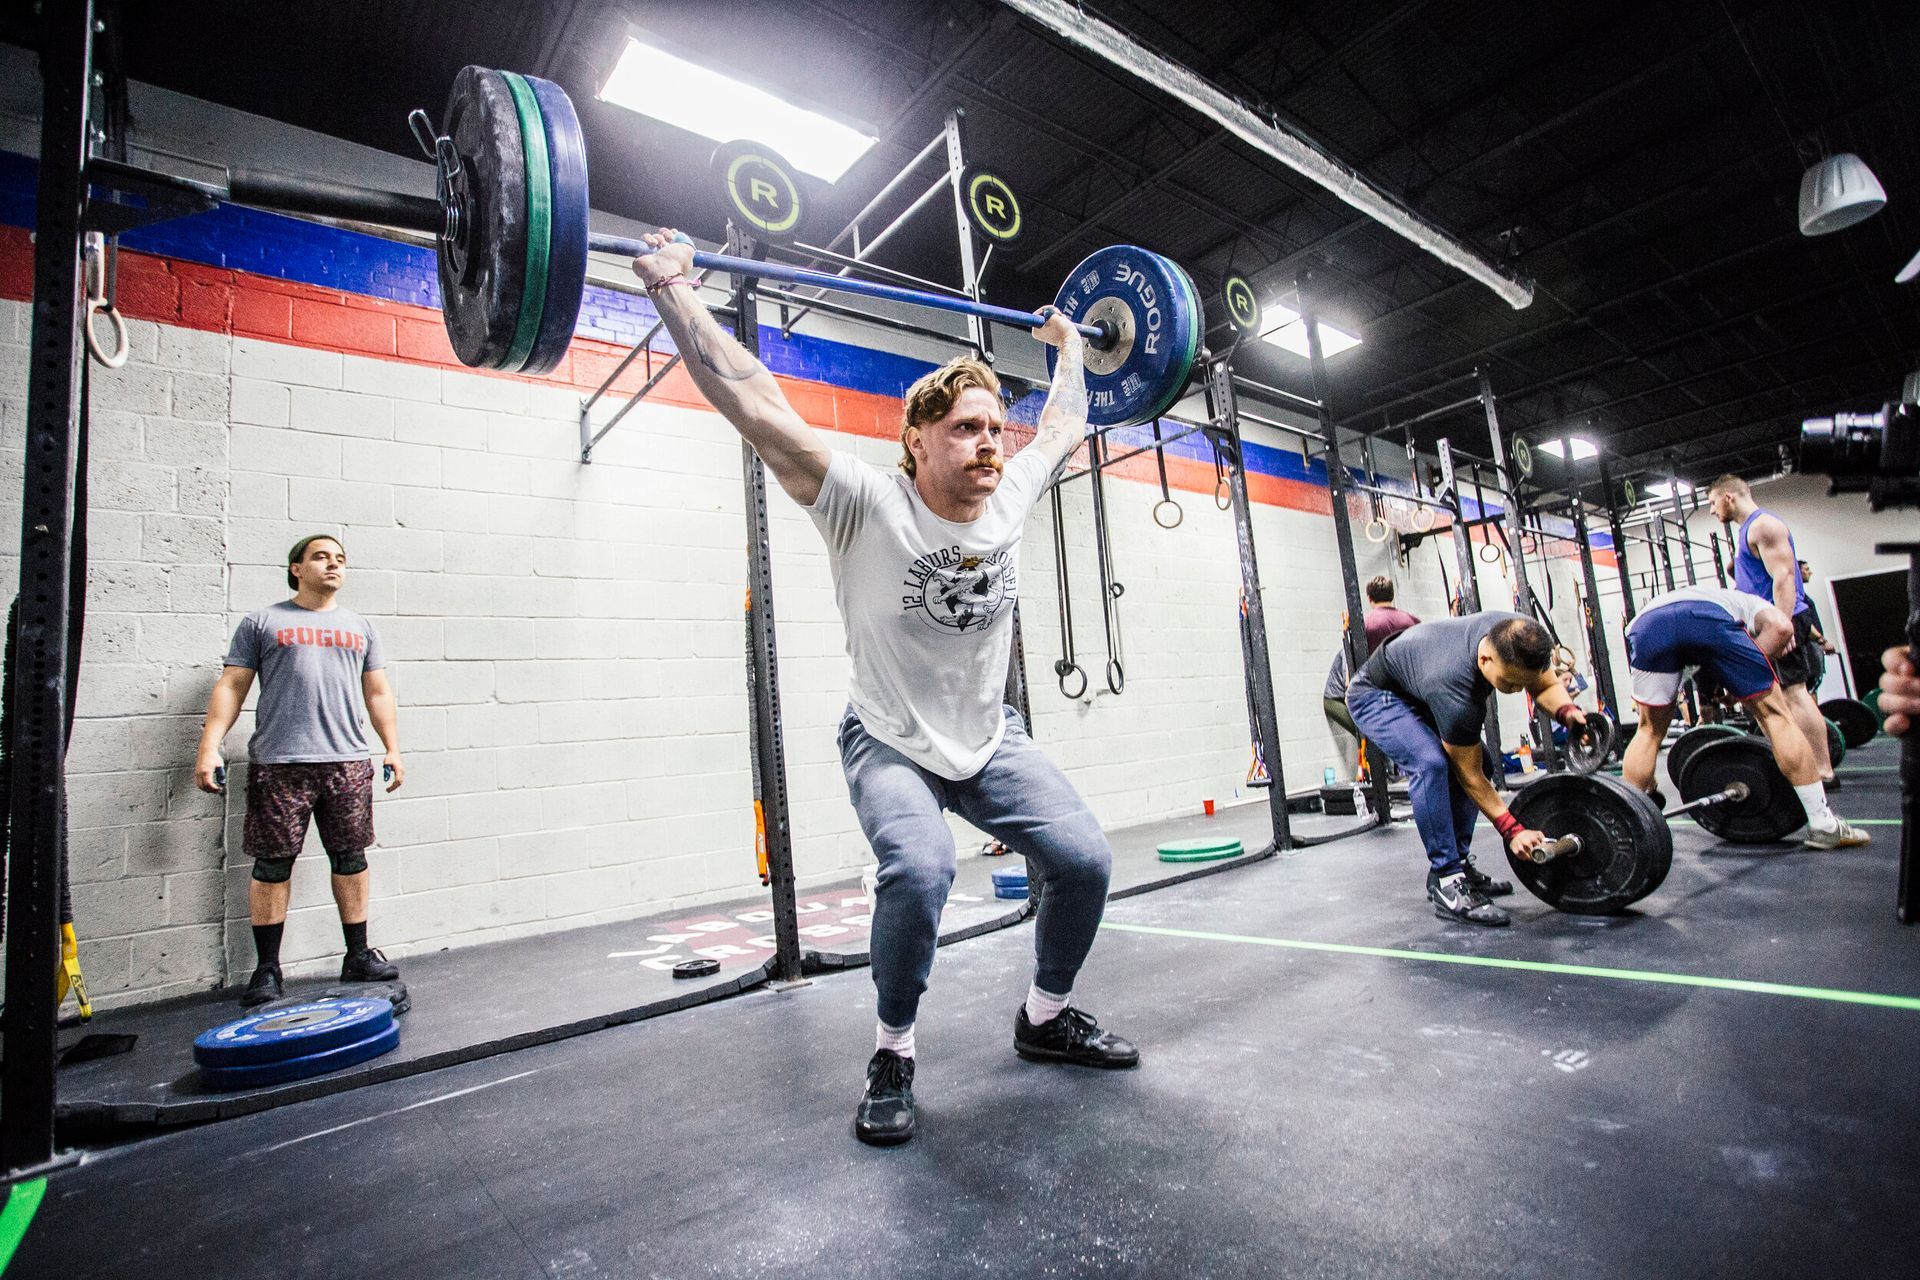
<point x="1208" y="806"/>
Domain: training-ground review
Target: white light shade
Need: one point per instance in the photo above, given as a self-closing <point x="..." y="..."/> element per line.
<point x="701" y="100"/>
<point x="1838" y="192"/>
<point x="1581" y="448"/>
<point x="1664" y="488"/>
<point x="1287" y="332"/>
<point x="1908" y="272"/>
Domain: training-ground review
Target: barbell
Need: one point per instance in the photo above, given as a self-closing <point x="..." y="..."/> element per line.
<point x="1608" y="842"/>
<point x="512" y="241"/>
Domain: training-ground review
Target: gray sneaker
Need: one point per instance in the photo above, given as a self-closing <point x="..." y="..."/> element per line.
<point x="1844" y="836"/>
<point x="1455" y="898"/>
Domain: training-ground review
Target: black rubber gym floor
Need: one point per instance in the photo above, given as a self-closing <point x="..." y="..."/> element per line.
<point x="1319" y="1096"/>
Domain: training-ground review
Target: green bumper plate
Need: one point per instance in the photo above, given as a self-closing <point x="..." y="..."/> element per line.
<point x="1205" y="849"/>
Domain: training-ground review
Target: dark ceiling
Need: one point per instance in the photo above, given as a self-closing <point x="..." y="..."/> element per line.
<point x="1640" y="162"/>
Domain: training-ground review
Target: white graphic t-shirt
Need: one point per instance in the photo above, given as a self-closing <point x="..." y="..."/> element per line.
<point x="928" y="606"/>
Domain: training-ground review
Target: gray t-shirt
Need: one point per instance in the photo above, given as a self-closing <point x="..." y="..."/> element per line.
<point x="310" y="663"/>
<point x="1434" y="668"/>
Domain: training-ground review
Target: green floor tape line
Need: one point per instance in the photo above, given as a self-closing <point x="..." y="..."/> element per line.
<point x="22" y="1203"/>
<point x="1911" y="1003"/>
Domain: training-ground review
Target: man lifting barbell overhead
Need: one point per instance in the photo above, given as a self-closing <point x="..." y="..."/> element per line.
<point x="1423" y="700"/>
<point x="926" y="730"/>
<point x="1732" y="637"/>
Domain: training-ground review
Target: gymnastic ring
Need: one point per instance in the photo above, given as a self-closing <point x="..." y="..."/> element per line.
<point x="1065" y="669"/>
<point x="1422" y="519"/>
<point x="1221" y="490"/>
<point x="1178" y="514"/>
<point x="1564" y="659"/>
<point x="1529" y="545"/>
<point x="1489" y="553"/>
<point x="116" y="356"/>
<point x="1381" y="525"/>
<point x="1116" y="675"/>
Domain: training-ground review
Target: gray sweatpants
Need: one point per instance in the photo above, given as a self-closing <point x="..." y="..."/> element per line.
<point x="1019" y="798"/>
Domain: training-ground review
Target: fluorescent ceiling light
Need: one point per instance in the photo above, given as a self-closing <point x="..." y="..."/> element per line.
<point x="1581" y="446"/>
<point x="1664" y="488"/>
<point x="701" y="100"/>
<point x="1289" y="333"/>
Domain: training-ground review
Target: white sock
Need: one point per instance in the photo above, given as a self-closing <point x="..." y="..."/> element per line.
<point x="900" y="1041"/>
<point x="1044" y="1006"/>
<point x="1813" y="798"/>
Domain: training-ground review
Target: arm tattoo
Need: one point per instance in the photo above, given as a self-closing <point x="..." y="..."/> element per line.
<point x="710" y="348"/>
<point x="1067" y="398"/>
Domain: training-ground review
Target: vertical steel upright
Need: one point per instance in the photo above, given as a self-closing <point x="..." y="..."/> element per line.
<point x="1907" y="908"/>
<point x="772" y="804"/>
<point x="46" y="558"/>
<point x="1523" y="600"/>
<point x="1680" y="519"/>
<point x="1470" y="594"/>
<point x="1356" y="637"/>
<point x="1224" y="430"/>
<point x="1619" y="536"/>
<point x="1596" y="633"/>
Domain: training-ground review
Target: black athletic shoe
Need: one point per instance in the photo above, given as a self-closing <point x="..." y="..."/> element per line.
<point x="885" y="1115"/>
<point x="262" y="987"/>
<point x="1485" y="883"/>
<point x="367" y="965"/>
<point x="1072" y="1036"/>
<point x="1455" y="899"/>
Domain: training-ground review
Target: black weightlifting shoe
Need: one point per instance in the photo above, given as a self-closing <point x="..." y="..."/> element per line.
<point x="1454" y="898"/>
<point x="263" y="987"/>
<point x="367" y="965"/>
<point x="1071" y="1036"/>
<point x="1485" y="883"/>
<point x="885" y="1115"/>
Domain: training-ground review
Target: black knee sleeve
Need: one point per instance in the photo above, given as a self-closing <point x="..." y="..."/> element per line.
<point x="273" y="870"/>
<point x="348" y="864"/>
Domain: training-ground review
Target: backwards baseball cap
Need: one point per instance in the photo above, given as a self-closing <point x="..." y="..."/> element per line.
<point x="299" y="553"/>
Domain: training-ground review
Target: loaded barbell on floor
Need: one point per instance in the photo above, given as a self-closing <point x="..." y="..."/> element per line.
<point x="1608" y="842"/>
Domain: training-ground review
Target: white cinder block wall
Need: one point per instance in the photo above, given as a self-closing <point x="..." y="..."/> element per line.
<point x="565" y="641"/>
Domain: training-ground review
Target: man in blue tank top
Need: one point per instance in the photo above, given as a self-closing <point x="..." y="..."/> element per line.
<point x="1766" y="564"/>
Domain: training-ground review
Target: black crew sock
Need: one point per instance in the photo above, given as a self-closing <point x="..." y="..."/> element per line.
<point x="356" y="935"/>
<point x="266" y="942"/>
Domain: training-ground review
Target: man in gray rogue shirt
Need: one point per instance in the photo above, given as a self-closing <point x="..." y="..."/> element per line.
<point x="317" y="660"/>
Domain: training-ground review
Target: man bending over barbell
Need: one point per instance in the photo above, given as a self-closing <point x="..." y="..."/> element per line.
<point x="1423" y="700"/>
<point x="925" y="571"/>
<point x="1732" y="637"/>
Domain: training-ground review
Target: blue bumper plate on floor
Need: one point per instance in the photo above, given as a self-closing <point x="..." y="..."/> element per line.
<point x="310" y="1064"/>
<point x="292" y="1031"/>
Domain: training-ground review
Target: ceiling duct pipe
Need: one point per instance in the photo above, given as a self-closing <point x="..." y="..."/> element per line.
<point x="1270" y="138"/>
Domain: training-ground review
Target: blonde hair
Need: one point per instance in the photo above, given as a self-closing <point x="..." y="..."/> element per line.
<point x="932" y="396"/>
<point x="1730" y="484"/>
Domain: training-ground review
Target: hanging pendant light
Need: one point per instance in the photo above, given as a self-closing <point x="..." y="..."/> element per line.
<point x="1908" y="272"/>
<point x="1838" y="192"/>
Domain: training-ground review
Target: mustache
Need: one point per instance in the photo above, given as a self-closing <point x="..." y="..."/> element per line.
<point x="987" y="464"/>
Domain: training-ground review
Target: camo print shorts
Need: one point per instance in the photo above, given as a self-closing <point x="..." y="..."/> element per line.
<point x="338" y="795"/>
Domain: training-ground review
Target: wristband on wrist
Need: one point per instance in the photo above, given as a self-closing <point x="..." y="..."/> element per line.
<point x="1508" y="826"/>
<point x="658" y="285"/>
<point x="1565" y="713"/>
